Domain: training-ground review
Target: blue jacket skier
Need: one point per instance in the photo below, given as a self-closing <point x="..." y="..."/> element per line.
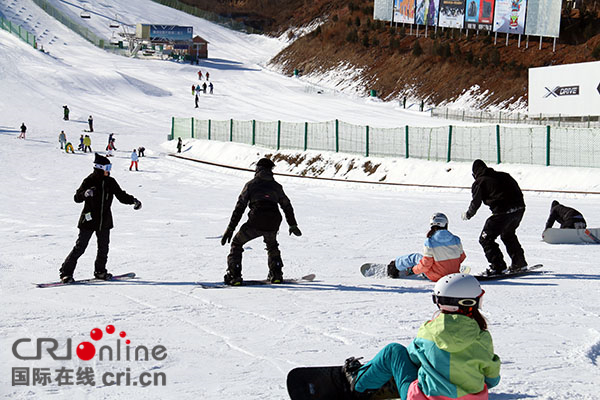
<point x="452" y="356"/>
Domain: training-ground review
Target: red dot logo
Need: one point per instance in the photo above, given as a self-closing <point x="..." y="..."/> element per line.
<point x="86" y="351"/>
<point x="96" y="334"/>
<point x="128" y="341"/>
<point x="122" y="334"/>
<point x="110" y="329"/>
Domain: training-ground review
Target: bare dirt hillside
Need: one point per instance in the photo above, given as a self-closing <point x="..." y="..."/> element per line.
<point x="396" y="63"/>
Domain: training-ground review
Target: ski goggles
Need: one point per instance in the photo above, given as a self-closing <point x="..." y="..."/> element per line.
<point x="104" y="167"/>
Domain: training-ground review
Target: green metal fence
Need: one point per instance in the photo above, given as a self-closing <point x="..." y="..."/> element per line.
<point x="544" y="145"/>
<point x="18" y="31"/>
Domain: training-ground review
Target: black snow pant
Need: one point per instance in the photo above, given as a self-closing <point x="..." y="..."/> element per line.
<point x="68" y="266"/>
<point x="505" y="226"/>
<point x="246" y="234"/>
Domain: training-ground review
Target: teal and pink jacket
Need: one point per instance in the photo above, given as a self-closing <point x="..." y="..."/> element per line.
<point x="455" y="360"/>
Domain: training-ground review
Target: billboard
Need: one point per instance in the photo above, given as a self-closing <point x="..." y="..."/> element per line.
<point x="569" y="90"/>
<point x="452" y="13"/>
<point x="171" y="33"/>
<point x="543" y="18"/>
<point x="510" y="16"/>
<point x="479" y="14"/>
<point x="383" y="10"/>
<point x="426" y="12"/>
<point x="404" y="11"/>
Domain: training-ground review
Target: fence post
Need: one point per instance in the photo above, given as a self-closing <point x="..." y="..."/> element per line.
<point x="337" y="136"/>
<point x="253" y="132"/>
<point x="209" y="129"/>
<point x="367" y="142"/>
<point x="231" y="130"/>
<point x="406" y="140"/>
<point x="449" y="143"/>
<point x="192" y="127"/>
<point x="305" y="136"/>
<point x="498" y="142"/>
<point x="547" y="145"/>
<point x="172" y="128"/>
<point x="278" y="133"/>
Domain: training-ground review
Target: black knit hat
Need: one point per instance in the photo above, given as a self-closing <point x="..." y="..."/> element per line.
<point x="478" y="167"/>
<point x="265" y="163"/>
<point x="100" y="162"/>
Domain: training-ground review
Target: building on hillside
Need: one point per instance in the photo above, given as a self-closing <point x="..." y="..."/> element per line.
<point x="177" y="41"/>
<point x="199" y="48"/>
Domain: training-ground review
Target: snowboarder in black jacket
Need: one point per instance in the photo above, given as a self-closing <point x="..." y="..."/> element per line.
<point x="499" y="191"/>
<point x="263" y="196"/>
<point x="96" y="192"/>
<point x="567" y="217"/>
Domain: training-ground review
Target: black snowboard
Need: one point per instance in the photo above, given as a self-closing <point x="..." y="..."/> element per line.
<point x="528" y="271"/>
<point x="321" y="383"/>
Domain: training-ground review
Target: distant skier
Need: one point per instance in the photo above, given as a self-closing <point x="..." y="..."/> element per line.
<point x="62" y="139"/>
<point x="193" y="90"/>
<point x="210" y="85"/>
<point x="65" y="113"/>
<point x="196" y="101"/>
<point x="442" y="255"/>
<point x="502" y="194"/>
<point x="87" y="143"/>
<point x="69" y="148"/>
<point x="91" y="123"/>
<point x="263" y="195"/>
<point x="452" y="356"/>
<point x="23" y="131"/>
<point x="567" y="217"/>
<point x="134" y="160"/>
<point x="198" y="88"/>
<point x="204" y="88"/>
<point x="96" y="192"/>
<point x="207" y="75"/>
<point x="199" y="75"/>
<point x="179" y="145"/>
<point x="141" y="151"/>
<point x="110" y="138"/>
<point x="80" y="147"/>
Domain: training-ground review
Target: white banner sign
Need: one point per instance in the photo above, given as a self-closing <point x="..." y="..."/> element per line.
<point x="383" y="9"/>
<point x="569" y="90"/>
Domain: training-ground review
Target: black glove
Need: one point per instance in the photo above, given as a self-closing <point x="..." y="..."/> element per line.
<point x="227" y="236"/>
<point x="137" y="204"/>
<point x="89" y="192"/>
<point x="294" y="229"/>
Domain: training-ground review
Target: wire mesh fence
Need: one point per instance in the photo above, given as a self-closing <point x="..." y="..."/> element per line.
<point x="18" y="31"/>
<point x="543" y="145"/>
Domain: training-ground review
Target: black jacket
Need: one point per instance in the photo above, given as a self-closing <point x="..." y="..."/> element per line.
<point x="263" y="196"/>
<point x="96" y="214"/>
<point x="566" y="216"/>
<point x="497" y="190"/>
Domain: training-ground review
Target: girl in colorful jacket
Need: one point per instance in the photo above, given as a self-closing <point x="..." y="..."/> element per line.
<point x="442" y="254"/>
<point x="452" y="356"/>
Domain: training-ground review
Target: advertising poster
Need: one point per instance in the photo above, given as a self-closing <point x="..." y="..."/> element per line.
<point x="171" y="33"/>
<point x="510" y="16"/>
<point x="568" y="89"/>
<point x="404" y="11"/>
<point x="543" y="18"/>
<point x="427" y="12"/>
<point x="479" y="14"/>
<point x="452" y="13"/>
<point x="383" y="10"/>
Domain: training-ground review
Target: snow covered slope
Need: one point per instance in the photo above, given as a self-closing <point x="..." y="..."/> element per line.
<point x="240" y="342"/>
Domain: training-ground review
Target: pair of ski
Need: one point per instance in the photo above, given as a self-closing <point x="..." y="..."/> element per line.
<point x="380" y="271"/>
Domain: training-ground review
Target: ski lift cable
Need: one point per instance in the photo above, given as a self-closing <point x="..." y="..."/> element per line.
<point x="90" y="12"/>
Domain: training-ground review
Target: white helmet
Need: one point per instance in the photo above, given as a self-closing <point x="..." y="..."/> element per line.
<point x="439" y="219"/>
<point x="456" y="292"/>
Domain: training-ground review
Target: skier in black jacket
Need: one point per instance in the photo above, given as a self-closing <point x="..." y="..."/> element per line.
<point x="500" y="192"/>
<point x="96" y="192"/>
<point x="567" y="217"/>
<point x="263" y="196"/>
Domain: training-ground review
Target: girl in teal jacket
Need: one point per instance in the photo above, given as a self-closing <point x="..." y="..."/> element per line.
<point x="452" y="356"/>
